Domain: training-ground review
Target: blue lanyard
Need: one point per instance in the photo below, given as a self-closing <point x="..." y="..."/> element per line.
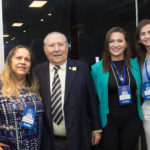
<point x="147" y="70"/>
<point x="118" y="74"/>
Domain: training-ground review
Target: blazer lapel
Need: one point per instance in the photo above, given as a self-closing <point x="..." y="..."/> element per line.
<point x="71" y="72"/>
<point x="46" y="87"/>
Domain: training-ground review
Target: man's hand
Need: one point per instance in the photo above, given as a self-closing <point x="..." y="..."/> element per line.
<point x="96" y="137"/>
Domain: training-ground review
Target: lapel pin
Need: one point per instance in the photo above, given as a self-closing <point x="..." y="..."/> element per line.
<point x="74" y="68"/>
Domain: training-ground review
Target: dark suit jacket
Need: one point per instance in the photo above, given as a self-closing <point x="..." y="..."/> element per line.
<point x="80" y="106"/>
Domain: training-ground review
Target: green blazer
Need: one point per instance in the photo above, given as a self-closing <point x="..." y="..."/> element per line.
<point x="101" y="84"/>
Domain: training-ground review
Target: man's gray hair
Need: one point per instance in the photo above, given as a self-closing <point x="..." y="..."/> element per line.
<point x="44" y="41"/>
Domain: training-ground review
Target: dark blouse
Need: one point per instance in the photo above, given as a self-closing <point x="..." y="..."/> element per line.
<point x="120" y="114"/>
<point x="11" y="113"/>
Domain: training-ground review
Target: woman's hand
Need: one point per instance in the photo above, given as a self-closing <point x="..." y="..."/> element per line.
<point x="3" y="145"/>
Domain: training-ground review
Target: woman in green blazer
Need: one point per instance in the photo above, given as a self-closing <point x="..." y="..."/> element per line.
<point x="118" y="85"/>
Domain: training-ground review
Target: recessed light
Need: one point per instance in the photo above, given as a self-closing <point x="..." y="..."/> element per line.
<point x="49" y="14"/>
<point x="5" y="35"/>
<point x="17" y="24"/>
<point x="24" y="31"/>
<point x="42" y="20"/>
<point x="37" y="4"/>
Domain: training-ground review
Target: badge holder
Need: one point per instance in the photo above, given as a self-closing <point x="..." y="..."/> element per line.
<point x="124" y="95"/>
<point x="124" y="91"/>
<point x="146" y="90"/>
<point x="28" y="117"/>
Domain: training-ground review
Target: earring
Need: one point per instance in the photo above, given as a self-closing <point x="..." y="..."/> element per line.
<point x="139" y="41"/>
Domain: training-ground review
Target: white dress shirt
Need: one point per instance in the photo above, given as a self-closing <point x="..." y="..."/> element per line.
<point x="60" y="129"/>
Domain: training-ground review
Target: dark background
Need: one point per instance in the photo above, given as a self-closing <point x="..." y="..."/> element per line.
<point x="84" y="22"/>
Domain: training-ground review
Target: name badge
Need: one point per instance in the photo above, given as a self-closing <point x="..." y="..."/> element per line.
<point x="28" y="117"/>
<point x="124" y="95"/>
<point x="146" y="90"/>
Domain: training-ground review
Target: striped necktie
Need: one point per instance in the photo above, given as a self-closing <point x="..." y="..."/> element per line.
<point x="56" y="100"/>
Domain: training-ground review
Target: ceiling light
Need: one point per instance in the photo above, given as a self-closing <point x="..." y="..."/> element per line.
<point x="49" y="14"/>
<point x="24" y="31"/>
<point x="37" y="4"/>
<point x="5" y="35"/>
<point x="6" y="42"/>
<point x="13" y="38"/>
<point x="17" y="24"/>
<point x="41" y="20"/>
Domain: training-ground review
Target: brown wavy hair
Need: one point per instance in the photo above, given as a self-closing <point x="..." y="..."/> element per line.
<point x="140" y="48"/>
<point x="106" y="54"/>
<point x="7" y="76"/>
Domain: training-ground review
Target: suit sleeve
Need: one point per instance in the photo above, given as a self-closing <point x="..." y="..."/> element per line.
<point x="93" y="104"/>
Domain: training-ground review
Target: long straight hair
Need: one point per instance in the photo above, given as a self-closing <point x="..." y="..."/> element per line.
<point x="106" y="54"/>
<point x="140" y="48"/>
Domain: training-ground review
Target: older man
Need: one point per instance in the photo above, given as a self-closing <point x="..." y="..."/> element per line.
<point x="71" y="120"/>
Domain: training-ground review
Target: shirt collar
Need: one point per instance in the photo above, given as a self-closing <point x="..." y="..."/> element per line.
<point x="63" y="66"/>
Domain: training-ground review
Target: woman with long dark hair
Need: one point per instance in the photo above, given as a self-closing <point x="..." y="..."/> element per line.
<point x="118" y="84"/>
<point x="143" y="54"/>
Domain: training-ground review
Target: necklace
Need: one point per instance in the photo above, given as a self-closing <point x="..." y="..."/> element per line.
<point x="120" y="72"/>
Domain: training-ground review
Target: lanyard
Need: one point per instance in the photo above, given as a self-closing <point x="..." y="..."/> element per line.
<point x="118" y="74"/>
<point x="147" y="70"/>
<point x="116" y="77"/>
<point x="32" y="101"/>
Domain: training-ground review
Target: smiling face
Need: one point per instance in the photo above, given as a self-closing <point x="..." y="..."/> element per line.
<point x="117" y="45"/>
<point x="56" y="48"/>
<point x="21" y="62"/>
<point x="145" y="35"/>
